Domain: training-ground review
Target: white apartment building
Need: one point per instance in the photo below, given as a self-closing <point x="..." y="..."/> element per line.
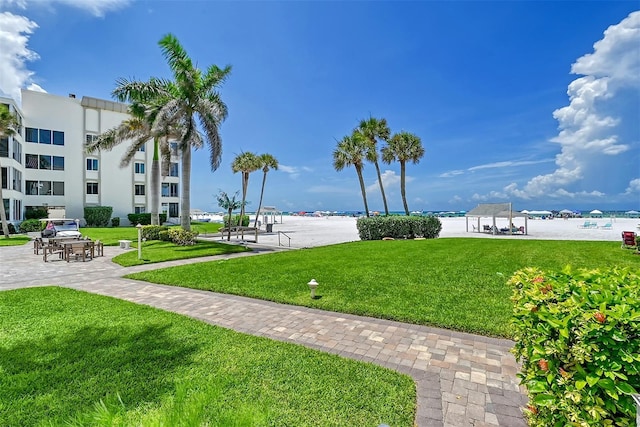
<point x="45" y="164"/>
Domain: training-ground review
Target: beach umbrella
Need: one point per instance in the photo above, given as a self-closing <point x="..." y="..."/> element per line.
<point x="632" y="212"/>
<point x="566" y="211"/>
<point x="596" y="212"/>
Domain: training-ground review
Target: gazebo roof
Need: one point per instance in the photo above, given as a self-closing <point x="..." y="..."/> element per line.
<point x="498" y="210"/>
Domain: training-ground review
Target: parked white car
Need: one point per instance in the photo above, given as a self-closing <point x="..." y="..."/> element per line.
<point x="60" y="227"/>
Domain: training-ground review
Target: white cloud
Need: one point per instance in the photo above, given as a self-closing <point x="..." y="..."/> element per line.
<point x="451" y="174"/>
<point x="14" y="37"/>
<point x="508" y="163"/>
<point x="634" y="186"/>
<point x="389" y="179"/>
<point x="591" y="125"/>
<point x="97" y="8"/>
<point x="294" y="171"/>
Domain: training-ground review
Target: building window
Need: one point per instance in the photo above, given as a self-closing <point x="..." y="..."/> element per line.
<point x="44" y="188"/>
<point x="45" y="162"/>
<point x="139" y="190"/>
<point x="31" y="161"/>
<point x="91" y="138"/>
<point x="4" y="147"/>
<point x="139" y="167"/>
<point x="169" y="189"/>
<point x="17" y="151"/>
<point x="17" y="180"/>
<point x="173" y="146"/>
<point x="173" y="169"/>
<point x="58" y="163"/>
<point x="58" y="137"/>
<point x="31" y="135"/>
<point x="138" y="209"/>
<point x="58" y="188"/>
<point x="17" y="209"/>
<point x="92" y="188"/>
<point x="5" y="177"/>
<point x="164" y="208"/>
<point x="92" y="164"/>
<point x="173" y="210"/>
<point x="45" y="136"/>
<point x="32" y="188"/>
<point x="142" y="149"/>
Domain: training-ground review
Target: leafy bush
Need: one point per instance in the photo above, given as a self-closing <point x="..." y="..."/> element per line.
<point x="236" y="220"/>
<point x="144" y="218"/>
<point x="578" y="336"/>
<point x="115" y="221"/>
<point x="638" y="242"/>
<point x="182" y="237"/>
<point x="12" y="229"/>
<point x="164" y="236"/>
<point x="152" y="232"/>
<point x="35" y="213"/>
<point x="31" y="225"/>
<point x="97" y="216"/>
<point x="398" y="227"/>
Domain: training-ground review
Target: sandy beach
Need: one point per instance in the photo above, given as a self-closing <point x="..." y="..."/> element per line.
<point x="305" y="232"/>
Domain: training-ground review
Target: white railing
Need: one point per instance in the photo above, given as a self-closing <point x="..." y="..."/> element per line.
<point x="285" y="235"/>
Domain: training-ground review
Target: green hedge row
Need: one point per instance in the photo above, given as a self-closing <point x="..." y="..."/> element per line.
<point x="97" y="216"/>
<point x="175" y="235"/>
<point x="578" y="337"/>
<point x="398" y="227"/>
<point x="32" y="225"/>
<point x="144" y="218"/>
<point x="236" y="220"/>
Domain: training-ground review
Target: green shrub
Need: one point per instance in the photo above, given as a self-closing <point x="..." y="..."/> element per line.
<point x="115" y="221"/>
<point x="578" y="337"/>
<point x="12" y="229"/>
<point x="236" y="220"/>
<point x="164" y="236"/>
<point x="638" y="242"/>
<point x="35" y="213"/>
<point x="31" y="225"/>
<point x="182" y="237"/>
<point x="144" y="218"/>
<point x="97" y="216"/>
<point x="152" y="232"/>
<point x="398" y="227"/>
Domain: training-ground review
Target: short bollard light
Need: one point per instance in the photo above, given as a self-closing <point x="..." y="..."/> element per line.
<point x="313" y="285"/>
<point x="139" y="227"/>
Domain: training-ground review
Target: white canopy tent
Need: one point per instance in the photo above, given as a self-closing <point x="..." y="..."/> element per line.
<point x="496" y="210"/>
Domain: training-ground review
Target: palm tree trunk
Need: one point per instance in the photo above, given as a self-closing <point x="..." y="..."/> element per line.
<point x="245" y="185"/>
<point x="264" y="179"/>
<point x="402" y="187"/>
<point x="384" y="198"/>
<point x="155" y="184"/>
<point x="185" y="198"/>
<point x="364" y="193"/>
<point x="229" y="226"/>
<point x="3" y="213"/>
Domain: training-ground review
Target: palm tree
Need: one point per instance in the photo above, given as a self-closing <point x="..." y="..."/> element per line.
<point x="139" y="129"/>
<point x="375" y="129"/>
<point x="267" y="161"/>
<point x="403" y="147"/>
<point x="230" y="204"/>
<point x="351" y="151"/>
<point x="191" y="99"/>
<point x="245" y="163"/>
<point x="8" y="126"/>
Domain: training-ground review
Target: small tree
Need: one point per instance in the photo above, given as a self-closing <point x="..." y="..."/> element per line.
<point x="8" y="126"/>
<point x="230" y="204"/>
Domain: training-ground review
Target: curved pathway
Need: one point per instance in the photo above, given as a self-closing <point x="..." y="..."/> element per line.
<point x="462" y="379"/>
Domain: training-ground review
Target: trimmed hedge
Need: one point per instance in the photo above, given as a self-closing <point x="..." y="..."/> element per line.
<point x="578" y="336"/>
<point x="35" y="213"/>
<point x="115" y="221"/>
<point x="182" y="237"/>
<point x="144" y="218"/>
<point x="398" y="227"/>
<point x="152" y="232"/>
<point x="236" y="219"/>
<point x="31" y="225"/>
<point x="97" y="216"/>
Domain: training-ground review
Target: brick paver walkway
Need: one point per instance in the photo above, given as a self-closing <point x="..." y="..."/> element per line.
<point x="462" y="379"/>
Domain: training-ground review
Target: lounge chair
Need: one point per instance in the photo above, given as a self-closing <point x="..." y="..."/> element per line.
<point x="628" y="239"/>
<point x="587" y="224"/>
<point x="607" y="226"/>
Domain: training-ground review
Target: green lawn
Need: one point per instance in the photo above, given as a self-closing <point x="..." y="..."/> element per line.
<point x="157" y="251"/>
<point x="14" y="240"/>
<point x="452" y="283"/>
<point x="110" y="235"/>
<point x="72" y="358"/>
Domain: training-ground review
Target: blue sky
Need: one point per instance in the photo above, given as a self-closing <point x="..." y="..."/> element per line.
<point x="533" y="102"/>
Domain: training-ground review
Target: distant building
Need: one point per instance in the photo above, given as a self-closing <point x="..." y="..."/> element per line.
<point x="45" y="165"/>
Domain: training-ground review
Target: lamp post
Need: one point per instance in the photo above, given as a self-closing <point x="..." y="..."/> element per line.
<point x="313" y="285"/>
<point x="139" y="227"/>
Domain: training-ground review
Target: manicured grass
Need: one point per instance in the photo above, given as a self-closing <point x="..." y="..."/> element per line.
<point x="14" y="240"/>
<point x="110" y="235"/>
<point x="157" y="251"/>
<point x="72" y="358"/>
<point x="453" y="283"/>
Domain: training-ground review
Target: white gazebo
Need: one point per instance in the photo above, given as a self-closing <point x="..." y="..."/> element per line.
<point x="496" y="210"/>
